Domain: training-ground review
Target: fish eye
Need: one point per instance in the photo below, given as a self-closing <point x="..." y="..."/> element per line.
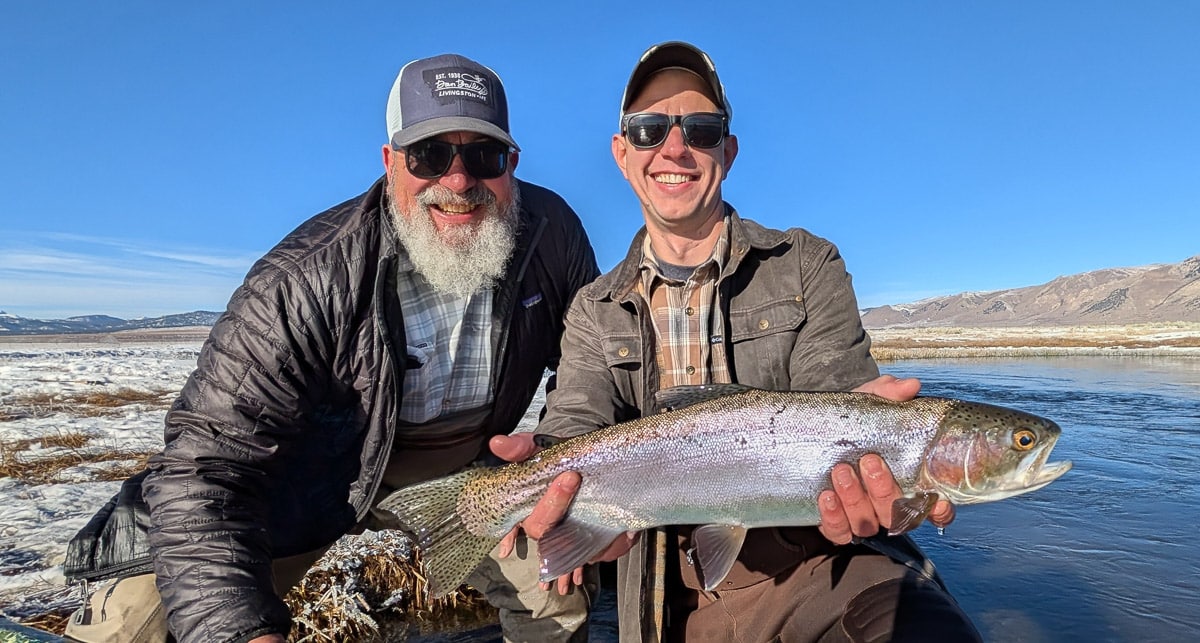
<point x="1024" y="440"/>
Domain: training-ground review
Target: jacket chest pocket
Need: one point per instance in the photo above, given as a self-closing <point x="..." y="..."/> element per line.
<point x="762" y="338"/>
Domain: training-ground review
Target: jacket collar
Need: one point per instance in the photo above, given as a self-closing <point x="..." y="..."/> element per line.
<point x="744" y="234"/>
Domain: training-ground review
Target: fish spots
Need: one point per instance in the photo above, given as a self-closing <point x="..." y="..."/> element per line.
<point x="846" y="443"/>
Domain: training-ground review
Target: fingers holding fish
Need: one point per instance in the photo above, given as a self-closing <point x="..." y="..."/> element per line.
<point x="553" y="505"/>
<point x="513" y="448"/>
<point x="881" y="489"/>
<point x="856" y="501"/>
<point x="891" y="387"/>
<point x="834" y="525"/>
<point x="942" y="514"/>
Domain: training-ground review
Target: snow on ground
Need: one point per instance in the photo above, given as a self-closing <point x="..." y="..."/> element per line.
<point x="47" y="392"/>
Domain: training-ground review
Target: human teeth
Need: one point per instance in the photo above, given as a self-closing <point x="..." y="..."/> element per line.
<point x="671" y="178"/>
<point x="456" y="208"/>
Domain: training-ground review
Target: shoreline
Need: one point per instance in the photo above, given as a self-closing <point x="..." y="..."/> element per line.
<point x="1165" y="339"/>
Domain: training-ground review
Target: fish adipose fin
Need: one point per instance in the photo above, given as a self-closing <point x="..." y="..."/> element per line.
<point x="717" y="547"/>
<point x="570" y="544"/>
<point x="678" y="397"/>
<point x="908" y="513"/>
<point x="429" y="513"/>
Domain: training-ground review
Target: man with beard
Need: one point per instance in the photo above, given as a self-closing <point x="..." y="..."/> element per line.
<point x="381" y="343"/>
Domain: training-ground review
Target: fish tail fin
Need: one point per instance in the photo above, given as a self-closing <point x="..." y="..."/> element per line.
<point x="429" y="513"/>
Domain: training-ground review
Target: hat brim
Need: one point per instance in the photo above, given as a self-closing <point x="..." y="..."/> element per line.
<point x="675" y="54"/>
<point x="446" y="124"/>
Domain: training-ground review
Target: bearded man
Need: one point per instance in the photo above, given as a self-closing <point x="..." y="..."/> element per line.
<point x="381" y="343"/>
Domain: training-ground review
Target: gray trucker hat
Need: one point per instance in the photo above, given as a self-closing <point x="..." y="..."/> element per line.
<point x="446" y="93"/>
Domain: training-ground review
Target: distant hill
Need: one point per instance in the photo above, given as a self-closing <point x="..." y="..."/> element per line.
<point x="14" y="325"/>
<point x="1156" y="293"/>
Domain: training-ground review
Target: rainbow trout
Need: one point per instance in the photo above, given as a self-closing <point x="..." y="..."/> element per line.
<point x="728" y="458"/>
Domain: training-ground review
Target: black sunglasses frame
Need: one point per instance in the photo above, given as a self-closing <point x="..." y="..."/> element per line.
<point x="475" y="156"/>
<point x="686" y="122"/>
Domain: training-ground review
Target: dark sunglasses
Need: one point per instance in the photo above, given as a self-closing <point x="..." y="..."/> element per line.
<point x="431" y="158"/>
<point x="645" y="130"/>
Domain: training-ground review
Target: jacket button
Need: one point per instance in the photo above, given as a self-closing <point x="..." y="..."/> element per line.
<point x="764" y="324"/>
<point x="623" y="352"/>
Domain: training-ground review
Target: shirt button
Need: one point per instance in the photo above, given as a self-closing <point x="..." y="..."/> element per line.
<point x="691" y="370"/>
<point x="764" y="324"/>
<point x="689" y="311"/>
<point x="623" y="352"/>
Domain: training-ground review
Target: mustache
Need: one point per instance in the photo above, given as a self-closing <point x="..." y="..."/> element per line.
<point x="441" y="195"/>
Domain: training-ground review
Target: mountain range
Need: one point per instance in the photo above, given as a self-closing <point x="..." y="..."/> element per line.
<point x="14" y="325"/>
<point x="1143" y="294"/>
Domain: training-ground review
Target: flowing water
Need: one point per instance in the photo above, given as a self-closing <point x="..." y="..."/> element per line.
<point x="1109" y="552"/>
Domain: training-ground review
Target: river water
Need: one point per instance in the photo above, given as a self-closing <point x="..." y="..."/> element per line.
<point x="1109" y="552"/>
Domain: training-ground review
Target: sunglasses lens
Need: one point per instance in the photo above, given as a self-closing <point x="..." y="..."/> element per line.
<point x="703" y="130"/>
<point x="429" y="159"/>
<point x="699" y="130"/>
<point x="486" y="160"/>
<point x="647" y="130"/>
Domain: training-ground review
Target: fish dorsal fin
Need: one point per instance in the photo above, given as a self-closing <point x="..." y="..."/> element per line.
<point x="570" y="544"/>
<point x="909" y="512"/>
<point x="678" y="397"/>
<point x="717" y="547"/>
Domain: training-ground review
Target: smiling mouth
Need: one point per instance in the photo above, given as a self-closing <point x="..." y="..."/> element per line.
<point x="670" y="178"/>
<point x="456" y="208"/>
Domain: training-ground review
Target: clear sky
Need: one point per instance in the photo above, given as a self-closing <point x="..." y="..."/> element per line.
<point x="151" y="151"/>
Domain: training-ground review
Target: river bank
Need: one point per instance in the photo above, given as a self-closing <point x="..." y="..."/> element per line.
<point x="1159" y="339"/>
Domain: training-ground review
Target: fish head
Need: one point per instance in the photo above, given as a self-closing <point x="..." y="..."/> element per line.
<point x="983" y="453"/>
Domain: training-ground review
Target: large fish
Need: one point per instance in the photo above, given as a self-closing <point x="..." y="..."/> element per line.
<point x="728" y="457"/>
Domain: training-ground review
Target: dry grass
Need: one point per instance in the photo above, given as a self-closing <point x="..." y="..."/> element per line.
<point x="67" y="450"/>
<point x="370" y="588"/>
<point x="1047" y="341"/>
<point x="82" y="404"/>
<point x="53" y="622"/>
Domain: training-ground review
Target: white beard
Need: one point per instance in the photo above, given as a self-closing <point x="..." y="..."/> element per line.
<point x="461" y="259"/>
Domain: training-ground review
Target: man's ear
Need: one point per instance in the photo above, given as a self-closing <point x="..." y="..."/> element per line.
<point x="619" y="152"/>
<point x="731" y="150"/>
<point x="389" y="155"/>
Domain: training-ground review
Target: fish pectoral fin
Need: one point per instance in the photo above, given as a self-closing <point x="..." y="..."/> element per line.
<point x="717" y="547"/>
<point x="909" y="512"/>
<point x="570" y="544"/>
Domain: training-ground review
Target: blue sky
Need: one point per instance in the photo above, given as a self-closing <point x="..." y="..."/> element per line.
<point x="152" y="151"/>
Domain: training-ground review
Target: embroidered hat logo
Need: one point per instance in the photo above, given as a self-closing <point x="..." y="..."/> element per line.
<point x="449" y="85"/>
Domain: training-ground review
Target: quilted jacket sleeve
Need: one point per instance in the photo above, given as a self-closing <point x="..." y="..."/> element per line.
<point x="227" y="436"/>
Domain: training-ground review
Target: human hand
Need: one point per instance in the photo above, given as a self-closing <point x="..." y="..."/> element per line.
<point x="861" y="502"/>
<point x="269" y="638"/>
<point x="550" y="509"/>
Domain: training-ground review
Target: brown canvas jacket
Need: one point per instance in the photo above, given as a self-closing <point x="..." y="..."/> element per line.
<point x="792" y="322"/>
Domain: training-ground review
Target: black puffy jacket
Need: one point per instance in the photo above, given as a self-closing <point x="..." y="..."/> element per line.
<point x="278" y="441"/>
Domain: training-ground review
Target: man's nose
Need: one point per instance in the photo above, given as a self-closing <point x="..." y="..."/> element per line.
<point x="674" y="144"/>
<point x="457" y="178"/>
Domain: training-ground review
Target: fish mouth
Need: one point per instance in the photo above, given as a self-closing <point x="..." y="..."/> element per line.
<point x="1042" y="473"/>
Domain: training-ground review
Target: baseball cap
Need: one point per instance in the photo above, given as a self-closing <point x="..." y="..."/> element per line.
<point x="679" y="55"/>
<point x="446" y="93"/>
